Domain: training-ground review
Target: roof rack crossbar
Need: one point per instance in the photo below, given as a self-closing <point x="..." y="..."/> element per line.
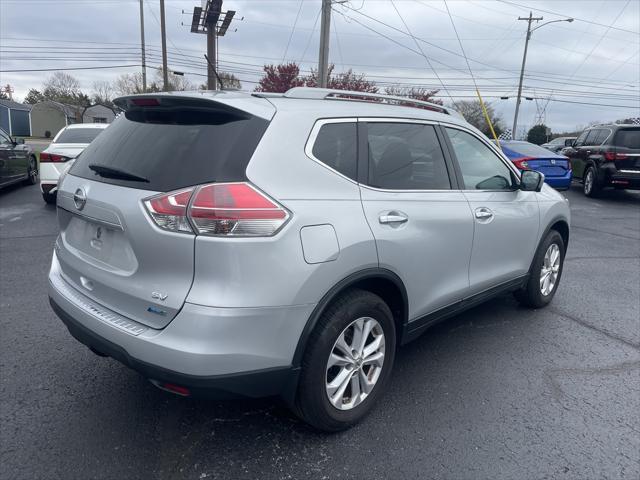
<point x="330" y="94"/>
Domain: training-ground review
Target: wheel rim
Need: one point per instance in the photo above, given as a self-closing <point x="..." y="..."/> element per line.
<point x="33" y="171"/>
<point x="550" y="269"/>
<point x="588" y="181"/>
<point x="355" y="363"/>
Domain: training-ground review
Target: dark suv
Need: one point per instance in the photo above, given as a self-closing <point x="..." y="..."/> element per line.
<point x="606" y="156"/>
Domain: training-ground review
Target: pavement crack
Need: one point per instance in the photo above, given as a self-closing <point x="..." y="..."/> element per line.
<point x="595" y="329"/>
<point x="605" y="232"/>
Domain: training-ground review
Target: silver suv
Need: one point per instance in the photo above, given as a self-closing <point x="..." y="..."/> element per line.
<point x="260" y="244"/>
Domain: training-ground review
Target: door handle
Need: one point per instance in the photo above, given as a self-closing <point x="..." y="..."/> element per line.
<point x="393" y="217"/>
<point x="483" y="213"/>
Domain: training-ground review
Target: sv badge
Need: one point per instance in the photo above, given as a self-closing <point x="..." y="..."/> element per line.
<point x="159" y="296"/>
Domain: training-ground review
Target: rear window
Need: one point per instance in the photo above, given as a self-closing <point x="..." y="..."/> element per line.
<point x="628" y="138"/>
<point x="167" y="148"/>
<point x="78" y="135"/>
<point x="528" y="149"/>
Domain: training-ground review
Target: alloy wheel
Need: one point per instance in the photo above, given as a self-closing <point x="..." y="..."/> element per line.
<point x="550" y="269"/>
<point x="355" y="363"/>
<point x="588" y="182"/>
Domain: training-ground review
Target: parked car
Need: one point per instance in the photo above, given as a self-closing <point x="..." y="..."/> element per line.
<point x="557" y="144"/>
<point x="66" y="145"/>
<point x="606" y="156"/>
<point x="263" y="244"/>
<point x="524" y="155"/>
<point x="17" y="161"/>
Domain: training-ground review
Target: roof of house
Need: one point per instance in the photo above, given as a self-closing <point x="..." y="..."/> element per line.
<point x="15" y="105"/>
<point x="68" y="110"/>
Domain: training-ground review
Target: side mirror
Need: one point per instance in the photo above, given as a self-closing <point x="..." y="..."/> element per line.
<point x="19" y="141"/>
<point x="569" y="143"/>
<point x="531" y="181"/>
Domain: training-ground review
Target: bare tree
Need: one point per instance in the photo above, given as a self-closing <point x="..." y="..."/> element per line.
<point x="102" y="92"/>
<point x="415" y="93"/>
<point x="471" y="110"/>
<point x="64" y="88"/>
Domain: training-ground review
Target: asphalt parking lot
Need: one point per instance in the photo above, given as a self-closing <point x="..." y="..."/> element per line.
<point x="498" y="392"/>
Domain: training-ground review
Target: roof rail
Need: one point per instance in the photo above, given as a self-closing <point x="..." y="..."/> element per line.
<point x="330" y="94"/>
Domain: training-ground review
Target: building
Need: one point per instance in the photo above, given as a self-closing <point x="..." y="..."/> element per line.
<point x="15" y="118"/>
<point x="48" y="118"/>
<point x="98" y="113"/>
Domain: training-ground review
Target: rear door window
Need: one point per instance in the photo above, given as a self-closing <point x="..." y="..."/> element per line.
<point x="405" y="156"/>
<point x="167" y="148"/>
<point x="336" y="146"/>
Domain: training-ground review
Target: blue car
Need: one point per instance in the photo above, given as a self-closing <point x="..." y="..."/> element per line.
<point x="528" y="156"/>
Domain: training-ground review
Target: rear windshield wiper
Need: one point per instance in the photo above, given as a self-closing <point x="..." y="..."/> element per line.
<point x="110" y="172"/>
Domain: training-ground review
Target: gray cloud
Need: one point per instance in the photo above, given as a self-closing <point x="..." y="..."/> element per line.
<point x="577" y="62"/>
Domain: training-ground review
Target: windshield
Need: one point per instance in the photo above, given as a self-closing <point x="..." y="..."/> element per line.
<point x="78" y="135"/>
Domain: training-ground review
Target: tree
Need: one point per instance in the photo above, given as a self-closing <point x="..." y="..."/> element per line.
<point x="472" y="112"/>
<point x="537" y="134"/>
<point x="34" y="96"/>
<point x="176" y="82"/>
<point x="229" y="80"/>
<point x="3" y="95"/>
<point x="348" y="80"/>
<point x="64" y="88"/>
<point x="131" y="84"/>
<point x="102" y="92"/>
<point x="415" y="93"/>
<point x="280" y="78"/>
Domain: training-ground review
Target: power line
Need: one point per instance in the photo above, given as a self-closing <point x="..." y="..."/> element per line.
<point x="566" y="15"/>
<point x="422" y="51"/>
<point x="67" y="69"/>
<point x="293" y="29"/>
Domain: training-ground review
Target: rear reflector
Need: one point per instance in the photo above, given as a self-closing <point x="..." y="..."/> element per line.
<point x="172" y="387"/>
<point x="218" y="209"/>
<point x="52" y="157"/>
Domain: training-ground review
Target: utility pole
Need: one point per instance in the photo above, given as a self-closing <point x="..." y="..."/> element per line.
<point x="212" y="26"/>
<point x="165" y="69"/>
<point x="323" y="57"/>
<point x="144" y="61"/>
<point x="205" y="21"/>
<point x="529" y="19"/>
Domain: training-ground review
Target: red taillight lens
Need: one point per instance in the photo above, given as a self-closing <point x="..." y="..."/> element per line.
<point x="521" y="163"/>
<point x="613" y="156"/>
<point x="235" y="209"/>
<point x="52" y="157"/>
<point x="169" y="211"/>
<point x="221" y="209"/>
<point x="145" y="102"/>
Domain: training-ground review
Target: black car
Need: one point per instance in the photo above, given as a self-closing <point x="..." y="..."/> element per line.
<point x="606" y="156"/>
<point x="17" y="162"/>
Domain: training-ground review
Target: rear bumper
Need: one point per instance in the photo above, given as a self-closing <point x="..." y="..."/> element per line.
<point x="560" y="183"/>
<point x="628" y="180"/>
<point x="49" y="175"/>
<point x="213" y="352"/>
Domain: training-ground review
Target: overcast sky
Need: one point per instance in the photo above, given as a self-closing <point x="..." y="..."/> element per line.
<point x="593" y="60"/>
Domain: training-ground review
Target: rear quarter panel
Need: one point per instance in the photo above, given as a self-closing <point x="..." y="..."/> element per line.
<point x="270" y="272"/>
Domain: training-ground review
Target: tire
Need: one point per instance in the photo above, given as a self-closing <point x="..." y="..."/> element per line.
<point x="313" y="403"/>
<point x="32" y="171"/>
<point x="532" y="294"/>
<point x="49" y="198"/>
<point x="591" y="184"/>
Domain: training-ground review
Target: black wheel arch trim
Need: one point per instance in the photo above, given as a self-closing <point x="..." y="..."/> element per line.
<point x="335" y="291"/>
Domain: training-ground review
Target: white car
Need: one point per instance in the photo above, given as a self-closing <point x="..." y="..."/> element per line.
<point x="66" y="145"/>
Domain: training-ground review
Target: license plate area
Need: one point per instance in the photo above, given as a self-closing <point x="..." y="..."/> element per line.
<point x="101" y="245"/>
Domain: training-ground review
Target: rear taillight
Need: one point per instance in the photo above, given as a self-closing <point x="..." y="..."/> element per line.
<point x="613" y="156"/>
<point x="52" y="157"/>
<point x="218" y="209"/>
<point x="521" y="163"/>
<point x="169" y="211"/>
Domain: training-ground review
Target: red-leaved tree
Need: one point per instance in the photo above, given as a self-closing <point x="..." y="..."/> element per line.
<point x="415" y="93"/>
<point x="280" y="78"/>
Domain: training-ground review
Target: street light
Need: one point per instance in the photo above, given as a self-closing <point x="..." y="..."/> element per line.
<point x="530" y="30"/>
